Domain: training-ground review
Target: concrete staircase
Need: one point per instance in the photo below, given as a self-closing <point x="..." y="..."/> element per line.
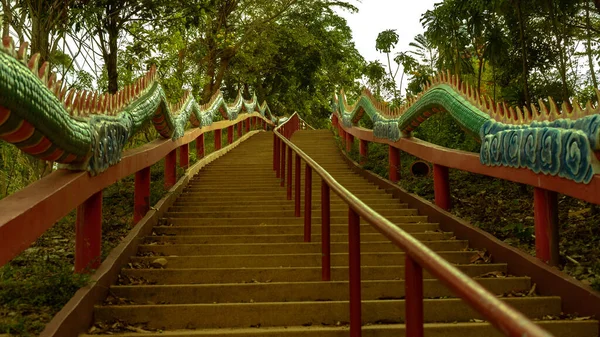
<point x="236" y="264"/>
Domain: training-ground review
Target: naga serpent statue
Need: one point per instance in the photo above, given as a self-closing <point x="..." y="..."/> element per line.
<point x="88" y="131"/>
<point x="547" y="141"/>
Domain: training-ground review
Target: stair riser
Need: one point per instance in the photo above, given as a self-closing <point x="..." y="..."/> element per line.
<point x="280" y="221"/>
<point x="290" y="260"/>
<point x="298" y="248"/>
<point x="286" y="207"/>
<point x="556" y="328"/>
<point x="275" y="203"/>
<point x="300" y="313"/>
<point x="263" y="230"/>
<point x="219" y="239"/>
<point x="253" y="213"/>
<point x="220" y="195"/>
<point x="227" y="275"/>
<point x="297" y="292"/>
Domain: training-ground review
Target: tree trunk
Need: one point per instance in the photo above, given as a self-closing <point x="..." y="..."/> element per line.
<point x="481" y="61"/>
<point x="39" y="36"/>
<point x="562" y="64"/>
<point x="523" y="52"/>
<point x="589" y="46"/>
<point x="7" y="18"/>
<point x="211" y="65"/>
<point x="112" y="28"/>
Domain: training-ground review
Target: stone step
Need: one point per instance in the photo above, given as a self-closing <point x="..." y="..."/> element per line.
<point x="285" y="248"/>
<point x="558" y="328"/>
<point x="194" y="207"/>
<point x="186" y="316"/>
<point x="291" y="220"/>
<point x="293" y="274"/>
<point x="298" y="291"/>
<point x="278" y="238"/>
<point x="272" y="260"/>
<point x="253" y="213"/>
<point x="277" y="229"/>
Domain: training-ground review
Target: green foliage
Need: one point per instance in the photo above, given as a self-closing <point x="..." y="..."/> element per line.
<point x="386" y="40"/>
<point x="442" y="129"/>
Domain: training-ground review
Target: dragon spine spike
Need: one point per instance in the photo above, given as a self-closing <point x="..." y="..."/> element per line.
<point x="51" y="81"/>
<point x="9" y="46"/>
<point x="448" y="75"/>
<point x="566" y="107"/>
<point x="33" y="63"/>
<point x="81" y="102"/>
<point x="544" y="114"/>
<point x="94" y="103"/>
<point x="534" y="112"/>
<point x="43" y="73"/>
<point x="597" y="96"/>
<point x="576" y="111"/>
<point x="512" y="115"/>
<point x="69" y="99"/>
<point x="519" y="115"/>
<point x="21" y="54"/>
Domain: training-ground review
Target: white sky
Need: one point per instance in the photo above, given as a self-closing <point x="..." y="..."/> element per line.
<point x="375" y="16"/>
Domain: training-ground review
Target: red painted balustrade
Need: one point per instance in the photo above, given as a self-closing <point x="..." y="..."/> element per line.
<point x="418" y="256"/>
<point x="28" y="213"/>
<point x="545" y="187"/>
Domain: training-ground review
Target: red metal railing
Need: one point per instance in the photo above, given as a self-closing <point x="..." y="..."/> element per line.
<point x="418" y="256"/>
<point x="545" y="193"/>
<point x="28" y="213"/>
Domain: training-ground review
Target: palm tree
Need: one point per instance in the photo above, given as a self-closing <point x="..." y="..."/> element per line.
<point x="425" y="50"/>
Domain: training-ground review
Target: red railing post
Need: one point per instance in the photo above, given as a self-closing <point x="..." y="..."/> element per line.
<point x="184" y="156"/>
<point x="394" y="160"/>
<point x="218" y="141"/>
<point x="277" y="155"/>
<point x="349" y="141"/>
<point x="325" y="233"/>
<point x="282" y="167"/>
<point x="200" y="146"/>
<point x="413" y="294"/>
<point x="297" y="190"/>
<point x="545" y="208"/>
<point x="307" y="202"/>
<point x="247" y="124"/>
<point x="441" y="186"/>
<point x="354" y="272"/>
<point x="88" y="234"/>
<point x="141" y="196"/>
<point x="230" y="134"/>
<point x="171" y="169"/>
<point x="289" y="173"/>
<point x="364" y="151"/>
<point x="274" y="152"/>
<point x="239" y="130"/>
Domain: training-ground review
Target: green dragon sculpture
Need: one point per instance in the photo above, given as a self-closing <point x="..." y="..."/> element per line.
<point x="85" y="130"/>
<point x="547" y="141"/>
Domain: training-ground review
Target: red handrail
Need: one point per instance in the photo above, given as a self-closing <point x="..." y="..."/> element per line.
<point x="28" y="213"/>
<point x="507" y="319"/>
<point x="546" y="186"/>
